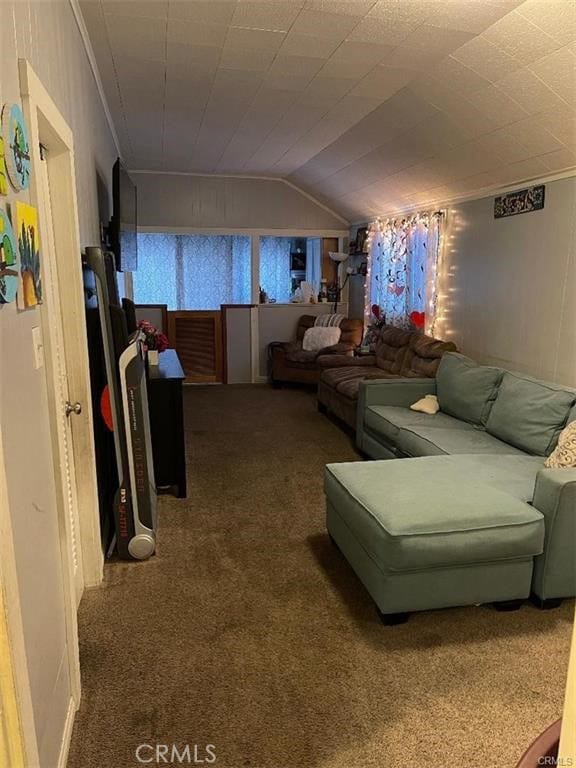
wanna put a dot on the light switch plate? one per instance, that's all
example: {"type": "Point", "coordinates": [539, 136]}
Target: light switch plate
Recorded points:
{"type": "Point", "coordinates": [38, 347]}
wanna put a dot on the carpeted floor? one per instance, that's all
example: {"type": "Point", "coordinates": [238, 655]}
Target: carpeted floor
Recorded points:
{"type": "Point", "coordinates": [250, 632]}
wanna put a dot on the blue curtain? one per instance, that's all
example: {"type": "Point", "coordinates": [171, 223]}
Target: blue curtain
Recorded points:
{"type": "Point", "coordinates": [193, 271]}
{"type": "Point", "coordinates": [154, 281]}
{"type": "Point", "coordinates": [275, 267]}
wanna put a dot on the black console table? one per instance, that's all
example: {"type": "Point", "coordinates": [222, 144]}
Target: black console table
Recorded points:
{"type": "Point", "coordinates": [167, 423]}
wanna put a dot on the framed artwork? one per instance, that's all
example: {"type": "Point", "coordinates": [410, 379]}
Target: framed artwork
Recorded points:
{"type": "Point", "coordinates": [16, 146]}
{"type": "Point", "coordinates": [9, 271]}
{"type": "Point", "coordinates": [3, 177]}
{"type": "Point", "coordinates": [522, 201]}
{"type": "Point", "coordinates": [30, 292]}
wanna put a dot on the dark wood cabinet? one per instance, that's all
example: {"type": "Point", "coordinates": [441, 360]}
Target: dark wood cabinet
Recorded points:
{"type": "Point", "coordinates": [167, 423]}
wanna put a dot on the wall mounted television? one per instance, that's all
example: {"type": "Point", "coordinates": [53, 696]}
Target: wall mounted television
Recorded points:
{"type": "Point", "coordinates": [122, 232]}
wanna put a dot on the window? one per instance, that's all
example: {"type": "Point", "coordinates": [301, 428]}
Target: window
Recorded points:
{"type": "Point", "coordinates": [285, 262]}
{"type": "Point", "coordinates": [193, 271]}
{"type": "Point", "coordinates": [403, 257]}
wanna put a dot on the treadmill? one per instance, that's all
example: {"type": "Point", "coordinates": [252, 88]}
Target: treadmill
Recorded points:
{"type": "Point", "coordinates": [135, 499]}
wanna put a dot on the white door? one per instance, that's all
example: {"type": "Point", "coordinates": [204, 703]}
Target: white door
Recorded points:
{"type": "Point", "coordinates": [64, 404]}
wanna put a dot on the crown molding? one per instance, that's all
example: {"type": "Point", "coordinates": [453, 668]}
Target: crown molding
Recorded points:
{"type": "Point", "coordinates": [80, 23]}
{"type": "Point", "coordinates": [479, 194]}
{"type": "Point", "coordinates": [199, 174]}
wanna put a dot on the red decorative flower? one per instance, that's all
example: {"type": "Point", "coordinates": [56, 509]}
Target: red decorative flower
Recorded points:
{"type": "Point", "coordinates": [153, 339]}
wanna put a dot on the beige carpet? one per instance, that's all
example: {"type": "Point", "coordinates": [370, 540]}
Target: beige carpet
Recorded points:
{"type": "Point", "coordinates": [250, 632]}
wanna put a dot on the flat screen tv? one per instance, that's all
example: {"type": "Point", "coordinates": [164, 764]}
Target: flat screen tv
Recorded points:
{"type": "Point", "coordinates": [123, 225]}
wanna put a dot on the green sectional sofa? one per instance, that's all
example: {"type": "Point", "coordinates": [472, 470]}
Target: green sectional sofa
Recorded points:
{"type": "Point", "coordinates": [465, 512]}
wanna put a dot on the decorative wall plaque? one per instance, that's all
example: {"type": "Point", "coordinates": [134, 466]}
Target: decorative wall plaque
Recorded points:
{"type": "Point", "coordinates": [522, 201]}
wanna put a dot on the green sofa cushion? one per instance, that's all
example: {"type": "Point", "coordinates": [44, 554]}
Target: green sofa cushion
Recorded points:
{"type": "Point", "coordinates": [465, 389]}
{"type": "Point", "coordinates": [530, 414]}
{"type": "Point", "coordinates": [385, 421]}
{"type": "Point", "coordinates": [412, 514]}
{"type": "Point", "coordinates": [433, 441]}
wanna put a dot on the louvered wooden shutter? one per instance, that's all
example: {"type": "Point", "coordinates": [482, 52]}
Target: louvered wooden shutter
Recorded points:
{"type": "Point", "coordinates": [197, 338]}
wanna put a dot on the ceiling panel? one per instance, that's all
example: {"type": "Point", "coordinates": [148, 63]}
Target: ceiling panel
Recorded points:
{"type": "Point", "coordinates": [520, 38]}
{"type": "Point", "coordinates": [195, 33]}
{"type": "Point", "coordinates": [279, 15]}
{"type": "Point", "coordinates": [303, 66]}
{"type": "Point", "coordinates": [200, 11]}
{"type": "Point", "coordinates": [242, 37]}
{"type": "Point", "coordinates": [323, 26]}
{"type": "Point", "coordinates": [371, 105]}
{"type": "Point", "coordinates": [559, 21]}
{"type": "Point", "coordinates": [486, 59]}
{"type": "Point", "coordinates": [298, 44]}
{"type": "Point", "coordinates": [532, 93]}
{"type": "Point", "coordinates": [246, 59]}
{"type": "Point", "coordinates": [137, 36]}
{"type": "Point", "coordinates": [155, 9]}
{"type": "Point", "coordinates": [558, 71]}
{"type": "Point", "coordinates": [358, 8]}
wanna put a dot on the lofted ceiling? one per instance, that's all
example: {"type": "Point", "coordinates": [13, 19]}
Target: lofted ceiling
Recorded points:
{"type": "Point", "coordinates": [371, 106]}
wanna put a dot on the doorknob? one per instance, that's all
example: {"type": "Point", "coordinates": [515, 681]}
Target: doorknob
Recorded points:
{"type": "Point", "coordinates": [73, 408]}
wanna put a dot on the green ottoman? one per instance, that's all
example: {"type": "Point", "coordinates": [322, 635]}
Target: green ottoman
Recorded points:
{"type": "Point", "coordinates": [420, 534]}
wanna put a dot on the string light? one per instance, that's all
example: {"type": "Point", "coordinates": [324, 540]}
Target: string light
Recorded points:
{"type": "Point", "coordinates": [377, 229]}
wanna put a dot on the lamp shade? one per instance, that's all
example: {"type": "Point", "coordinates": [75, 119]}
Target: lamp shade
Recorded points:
{"type": "Point", "coordinates": [338, 256]}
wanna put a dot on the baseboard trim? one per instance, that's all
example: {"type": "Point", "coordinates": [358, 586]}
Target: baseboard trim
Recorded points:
{"type": "Point", "coordinates": [67, 734]}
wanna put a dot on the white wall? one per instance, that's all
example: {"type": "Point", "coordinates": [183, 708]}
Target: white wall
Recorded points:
{"type": "Point", "coordinates": [46, 34]}
{"type": "Point", "coordinates": [173, 200]}
{"type": "Point", "coordinates": [508, 286]}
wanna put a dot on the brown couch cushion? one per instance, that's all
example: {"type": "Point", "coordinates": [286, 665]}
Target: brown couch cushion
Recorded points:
{"type": "Point", "coordinates": [335, 376]}
{"type": "Point", "coordinates": [424, 356]}
{"type": "Point", "coordinates": [391, 348]}
{"type": "Point", "coordinates": [295, 353]}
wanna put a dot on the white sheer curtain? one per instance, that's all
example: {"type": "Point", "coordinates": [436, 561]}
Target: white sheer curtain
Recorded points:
{"type": "Point", "coordinates": [403, 259]}
{"type": "Point", "coordinates": [193, 271]}
{"type": "Point", "coordinates": [275, 267]}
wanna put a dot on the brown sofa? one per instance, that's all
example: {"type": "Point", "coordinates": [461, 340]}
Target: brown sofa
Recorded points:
{"type": "Point", "coordinates": [398, 354]}
{"type": "Point", "coordinates": [288, 362]}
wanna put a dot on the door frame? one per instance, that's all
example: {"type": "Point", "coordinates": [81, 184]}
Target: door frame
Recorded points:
{"type": "Point", "coordinates": [47, 126]}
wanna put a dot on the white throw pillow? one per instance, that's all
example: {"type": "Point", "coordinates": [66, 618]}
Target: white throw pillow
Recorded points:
{"type": "Point", "coordinates": [428, 404]}
{"type": "Point", "coordinates": [564, 455]}
{"type": "Point", "coordinates": [317, 338]}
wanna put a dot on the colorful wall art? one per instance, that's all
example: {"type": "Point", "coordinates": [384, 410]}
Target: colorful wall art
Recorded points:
{"type": "Point", "coordinates": [3, 177]}
{"type": "Point", "coordinates": [522, 201]}
{"type": "Point", "coordinates": [30, 291]}
{"type": "Point", "coordinates": [16, 146]}
{"type": "Point", "coordinates": [8, 260]}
